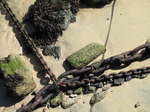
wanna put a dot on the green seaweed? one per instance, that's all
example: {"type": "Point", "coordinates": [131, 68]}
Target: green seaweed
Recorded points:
{"type": "Point", "coordinates": [86, 55]}
{"type": "Point", "coordinates": [12, 66]}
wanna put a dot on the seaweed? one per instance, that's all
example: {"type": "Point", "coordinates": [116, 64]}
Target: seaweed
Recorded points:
{"type": "Point", "coordinates": [11, 66]}
{"type": "Point", "coordinates": [85, 55]}
{"type": "Point", "coordinates": [50, 18]}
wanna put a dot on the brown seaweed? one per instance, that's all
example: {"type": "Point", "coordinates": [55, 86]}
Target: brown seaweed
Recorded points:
{"type": "Point", "coordinates": [51, 17]}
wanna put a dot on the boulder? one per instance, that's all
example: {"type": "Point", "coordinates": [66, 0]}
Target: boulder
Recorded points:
{"type": "Point", "coordinates": [18, 80]}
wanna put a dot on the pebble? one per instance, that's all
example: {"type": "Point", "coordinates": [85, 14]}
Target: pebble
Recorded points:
{"type": "Point", "coordinates": [105, 88]}
{"type": "Point", "coordinates": [69, 92]}
{"type": "Point", "coordinates": [89, 89]}
{"type": "Point", "coordinates": [73, 95]}
{"type": "Point", "coordinates": [128, 78]}
{"type": "Point", "coordinates": [143, 76]}
{"type": "Point", "coordinates": [98, 85]}
{"type": "Point", "coordinates": [135, 76]}
{"type": "Point", "coordinates": [78, 91]}
{"type": "Point", "coordinates": [118, 82]}
{"type": "Point", "coordinates": [92, 89]}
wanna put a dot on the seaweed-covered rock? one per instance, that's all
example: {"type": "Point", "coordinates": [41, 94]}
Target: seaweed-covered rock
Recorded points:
{"type": "Point", "coordinates": [51, 17]}
{"type": "Point", "coordinates": [56, 100]}
{"type": "Point", "coordinates": [85, 55]}
{"type": "Point", "coordinates": [97, 2]}
{"type": "Point", "coordinates": [18, 79]}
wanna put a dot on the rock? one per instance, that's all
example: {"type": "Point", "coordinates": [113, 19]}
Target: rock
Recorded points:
{"type": "Point", "coordinates": [105, 88]}
{"type": "Point", "coordinates": [98, 85]}
{"type": "Point", "coordinates": [118, 82]}
{"type": "Point", "coordinates": [73, 95]}
{"type": "Point", "coordinates": [18, 80]}
{"type": "Point", "coordinates": [97, 97]}
{"type": "Point", "coordinates": [128, 78]}
{"type": "Point", "coordinates": [56, 101]}
{"type": "Point", "coordinates": [135, 76]}
{"type": "Point", "coordinates": [68, 102]}
{"type": "Point", "coordinates": [143, 76]}
{"type": "Point", "coordinates": [96, 2]}
{"type": "Point", "coordinates": [85, 55]}
{"type": "Point", "coordinates": [52, 50]}
{"type": "Point", "coordinates": [69, 92]}
{"type": "Point", "coordinates": [78, 91]}
{"type": "Point", "coordinates": [90, 89]}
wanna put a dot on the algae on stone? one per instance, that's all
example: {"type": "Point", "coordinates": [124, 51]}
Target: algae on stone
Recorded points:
{"type": "Point", "coordinates": [85, 55]}
{"type": "Point", "coordinates": [56, 101]}
{"type": "Point", "coordinates": [18, 79]}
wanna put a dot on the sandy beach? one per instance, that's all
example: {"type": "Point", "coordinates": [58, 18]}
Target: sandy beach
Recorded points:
{"type": "Point", "coordinates": [130, 28]}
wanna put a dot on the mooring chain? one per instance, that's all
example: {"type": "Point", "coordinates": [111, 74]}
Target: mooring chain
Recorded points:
{"type": "Point", "coordinates": [82, 80]}
{"type": "Point", "coordinates": [40, 98]}
{"type": "Point", "coordinates": [133, 73]}
{"type": "Point", "coordinates": [28, 39]}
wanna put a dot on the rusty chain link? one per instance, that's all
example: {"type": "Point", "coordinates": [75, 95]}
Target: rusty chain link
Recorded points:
{"type": "Point", "coordinates": [134, 73]}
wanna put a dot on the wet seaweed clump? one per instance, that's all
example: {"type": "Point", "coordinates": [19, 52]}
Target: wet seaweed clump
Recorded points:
{"type": "Point", "coordinates": [51, 17]}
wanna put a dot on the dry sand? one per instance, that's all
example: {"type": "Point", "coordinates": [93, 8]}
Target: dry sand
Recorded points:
{"type": "Point", "coordinates": [130, 28]}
